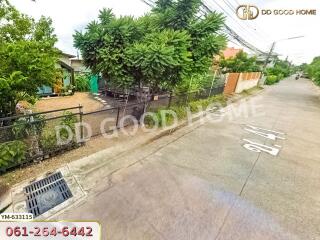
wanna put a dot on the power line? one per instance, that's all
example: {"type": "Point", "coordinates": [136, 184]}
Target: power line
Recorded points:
{"type": "Point", "coordinates": [247, 26]}
{"type": "Point", "coordinates": [228, 30]}
{"type": "Point", "coordinates": [148, 3]}
{"type": "Point", "coordinates": [231, 17]}
{"type": "Point", "coordinates": [235, 36]}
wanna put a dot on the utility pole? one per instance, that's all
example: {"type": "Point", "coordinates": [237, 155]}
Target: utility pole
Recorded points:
{"type": "Point", "coordinates": [269, 55]}
{"type": "Point", "coordinates": [273, 46]}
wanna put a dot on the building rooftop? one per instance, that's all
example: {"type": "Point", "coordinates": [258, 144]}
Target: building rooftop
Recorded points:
{"type": "Point", "coordinates": [230, 52]}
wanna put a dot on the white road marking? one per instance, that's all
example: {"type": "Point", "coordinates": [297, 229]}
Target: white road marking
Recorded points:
{"type": "Point", "coordinates": [273, 135]}
{"type": "Point", "coordinates": [258, 148]}
{"type": "Point", "coordinates": [263, 129]}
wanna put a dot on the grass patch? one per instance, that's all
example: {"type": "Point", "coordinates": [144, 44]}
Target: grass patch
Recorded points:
{"type": "Point", "coordinates": [181, 110]}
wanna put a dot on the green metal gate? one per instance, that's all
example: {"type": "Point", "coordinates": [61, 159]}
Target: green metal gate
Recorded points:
{"type": "Point", "coordinates": [94, 83]}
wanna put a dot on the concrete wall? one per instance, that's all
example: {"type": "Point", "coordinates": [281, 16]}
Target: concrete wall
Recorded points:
{"type": "Point", "coordinates": [78, 66]}
{"type": "Point", "coordinates": [231, 83]}
{"type": "Point", "coordinates": [247, 80]}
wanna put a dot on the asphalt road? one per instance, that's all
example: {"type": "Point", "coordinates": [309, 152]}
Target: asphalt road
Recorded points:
{"type": "Point", "coordinates": [203, 182]}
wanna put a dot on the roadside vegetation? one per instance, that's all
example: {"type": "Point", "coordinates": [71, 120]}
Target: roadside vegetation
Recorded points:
{"type": "Point", "coordinates": [181, 110]}
{"type": "Point", "coordinates": [313, 70]}
{"type": "Point", "coordinates": [281, 70]}
{"type": "Point", "coordinates": [241, 63]}
{"type": "Point", "coordinates": [33, 138]}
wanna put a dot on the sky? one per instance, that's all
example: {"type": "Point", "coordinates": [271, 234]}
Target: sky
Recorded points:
{"type": "Point", "coordinates": [71, 15]}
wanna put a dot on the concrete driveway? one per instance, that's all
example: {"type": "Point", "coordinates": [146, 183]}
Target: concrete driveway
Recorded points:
{"type": "Point", "coordinates": [202, 183]}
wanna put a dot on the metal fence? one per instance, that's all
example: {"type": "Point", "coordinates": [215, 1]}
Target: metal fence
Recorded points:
{"type": "Point", "coordinates": [34, 137]}
{"type": "Point", "coordinates": [106, 120]}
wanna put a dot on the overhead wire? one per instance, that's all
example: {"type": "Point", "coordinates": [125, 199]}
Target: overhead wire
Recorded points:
{"type": "Point", "coordinates": [228, 30]}
{"type": "Point", "coordinates": [244, 24]}
{"type": "Point", "coordinates": [231, 17]}
{"type": "Point", "coordinates": [236, 36]}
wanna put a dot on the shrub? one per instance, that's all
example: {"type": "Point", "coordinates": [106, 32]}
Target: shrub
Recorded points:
{"type": "Point", "coordinates": [313, 70]}
{"type": "Point", "coordinates": [280, 76]}
{"type": "Point", "coordinates": [181, 111]}
{"type": "Point", "coordinates": [271, 79]}
{"type": "Point", "coordinates": [240, 63]}
{"type": "Point", "coordinates": [12, 153]}
{"type": "Point", "coordinates": [149, 120]}
{"type": "Point", "coordinates": [82, 83]}
{"type": "Point", "coordinates": [48, 141]}
{"type": "Point", "coordinates": [281, 69]}
{"type": "Point", "coordinates": [68, 120]}
{"type": "Point", "coordinates": [25, 127]}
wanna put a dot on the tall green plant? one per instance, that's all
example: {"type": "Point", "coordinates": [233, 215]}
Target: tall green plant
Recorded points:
{"type": "Point", "coordinates": [27, 57]}
{"type": "Point", "coordinates": [241, 63]}
{"type": "Point", "coordinates": [159, 50]}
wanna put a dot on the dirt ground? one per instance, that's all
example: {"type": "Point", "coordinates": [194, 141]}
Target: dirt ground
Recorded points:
{"type": "Point", "coordinates": [85, 99]}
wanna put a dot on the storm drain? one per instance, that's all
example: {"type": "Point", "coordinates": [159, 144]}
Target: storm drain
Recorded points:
{"type": "Point", "coordinates": [46, 193]}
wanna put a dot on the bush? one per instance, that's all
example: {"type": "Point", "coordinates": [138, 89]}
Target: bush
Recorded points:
{"type": "Point", "coordinates": [271, 79]}
{"type": "Point", "coordinates": [48, 141]}
{"type": "Point", "coordinates": [241, 63]}
{"type": "Point", "coordinates": [12, 153]}
{"type": "Point", "coordinates": [281, 70]}
{"type": "Point", "coordinates": [181, 111]}
{"type": "Point", "coordinates": [68, 120]}
{"type": "Point", "coordinates": [25, 127]}
{"type": "Point", "coordinates": [82, 83]}
{"type": "Point", "coordinates": [280, 77]}
{"type": "Point", "coordinates": [313, 70]}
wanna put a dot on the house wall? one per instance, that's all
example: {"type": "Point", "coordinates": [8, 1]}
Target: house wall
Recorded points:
{"type": "Point", "coordinates": [78, 66]}
{"type": "Point", "coordinates": [247, 80]}
{"type": "Point", "coordinates": [238, 82]}
{"type": "Point", "coordinates": [65, 59]}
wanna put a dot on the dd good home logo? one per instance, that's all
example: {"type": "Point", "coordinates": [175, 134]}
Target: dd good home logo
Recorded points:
{"type": "Point", "coordinates": [247, 12]}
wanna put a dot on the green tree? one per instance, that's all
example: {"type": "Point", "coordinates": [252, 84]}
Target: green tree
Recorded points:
{"type": "Point", "coordinates": [162, 60]}
{"type": "Point", "coordinates": [27, 57]}
{"type": "Point", "coordinates": [159, 50]}
{"type": "Point", "coordinates": [303, 67]}
{"type": "Point", "coordinates": [313, 70]}
{"type": "Point", "coordinates": [104, 44]}
{"type": "Point", "coordinates": [206, 41]}
{"type": "Point", "coordinates": [240, 63]}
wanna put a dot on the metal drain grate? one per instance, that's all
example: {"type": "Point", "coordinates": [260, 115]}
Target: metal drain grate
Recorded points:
{"type": "Point", "coordinates": [46, 193]}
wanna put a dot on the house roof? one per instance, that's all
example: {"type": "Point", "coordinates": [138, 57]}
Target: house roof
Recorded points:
{"type": "Point", "coordinates": [67, 55]}
{"type": "Point", "coordinates": [76, 60]}
{"type": "Point", "coordinates": [63, 64]}
{"type": "Point", "coordinates": [230, 52]}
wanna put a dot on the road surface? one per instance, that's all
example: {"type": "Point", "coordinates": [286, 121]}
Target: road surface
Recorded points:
{"type": "Point", "coordinates": [202, 183]}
